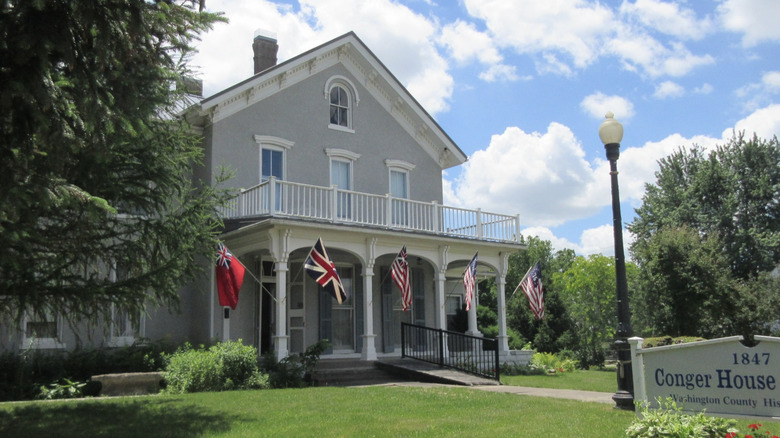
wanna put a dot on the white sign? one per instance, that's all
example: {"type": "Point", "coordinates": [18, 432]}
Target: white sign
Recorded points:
{"type": "Point", "coordinates": [721, 376]}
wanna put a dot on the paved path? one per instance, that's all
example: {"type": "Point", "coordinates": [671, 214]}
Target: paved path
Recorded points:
{"type": "Point", "coordinates": [587, 396]}
{"type": "Point", "coordinates": [433, 373]}
{"type": "Point", "coordinates": [569, 394]}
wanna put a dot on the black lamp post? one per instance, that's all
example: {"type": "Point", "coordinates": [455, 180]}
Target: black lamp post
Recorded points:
{"type": "Point", "coordinates": [611, 133]}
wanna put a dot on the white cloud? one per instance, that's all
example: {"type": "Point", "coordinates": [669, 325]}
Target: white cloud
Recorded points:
{"type": "Point", "coordinates": [771, 81]}
{"type": "Point", "coordinates": [545, 233]}
{"type": "Point", "coordinates": [755, 19]}
{"type": "Point", "coordinates": [703, 89]}
{"type": "Point", "coordinates": [465, 43]}
{"type": "Point", "coordinates": [598, 104]}
{"type": "Point", "coordinates": [760, 93]}
{"type": "Point", "coordinates": [545, 179]}
{"type": "Point", "coordinates": [764, 122]}
{"type": "Point", "coordinates": [571, 27]}
{"type": "Point", "coordinates": [498, 72]}
{"type": "Point", "coordinates": [542, 176]}
{"type": "Point", "coordinates": [669, 18]}
{"type": "Point", "coordinates": [569, 35]}
{"type": "Point", "coordinates": [640, 51]}
{"type": "Point", "coordinates": [411, 55]}
{"type": "Point", "coordinates": [598, 240]}
{"type": "Point", "coordinates": [668, 89]}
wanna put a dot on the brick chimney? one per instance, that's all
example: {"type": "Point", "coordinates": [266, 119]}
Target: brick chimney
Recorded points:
{"type": "Point", "coordinates": [265, 48]}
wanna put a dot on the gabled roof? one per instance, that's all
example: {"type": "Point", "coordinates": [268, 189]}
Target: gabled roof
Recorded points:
{"type": "Point", "coordinates": [353, 54]}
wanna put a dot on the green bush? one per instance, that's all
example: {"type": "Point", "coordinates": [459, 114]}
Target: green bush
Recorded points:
{"type": "Point", "coordinates": [23, 373]}
{"type": "Point", "coordinates": [66, 389]}
{"type": "Point", "coordinates": [225, 366]}
{"type": "Point", "coordinates": [660, 341]}
{"type": "Point", "coordinates": [553, 363]}
{"type": "Point", "coordinates": [508, 369]}
{"type": "Point", "coordinates": [543, 363]}
{"type": "Point", "coordinates": [668, 421]}
{"type": "Point", "coordinates": [294, 371]}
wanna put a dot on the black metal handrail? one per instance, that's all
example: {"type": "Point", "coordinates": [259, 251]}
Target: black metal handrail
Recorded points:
{"type": "Point", "coordinates": [471, 354]}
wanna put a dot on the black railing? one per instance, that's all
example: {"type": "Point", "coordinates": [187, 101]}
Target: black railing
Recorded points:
{"type": "Point", "coordinates": [470, 354]}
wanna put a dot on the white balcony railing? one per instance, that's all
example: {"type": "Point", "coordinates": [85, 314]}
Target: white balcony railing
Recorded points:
{"type": "Point", "coordinates": [288, 199]}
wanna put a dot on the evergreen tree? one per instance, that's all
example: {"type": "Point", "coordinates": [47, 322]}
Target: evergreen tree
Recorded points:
{"type": "Point", "coordinates": [99, 205]}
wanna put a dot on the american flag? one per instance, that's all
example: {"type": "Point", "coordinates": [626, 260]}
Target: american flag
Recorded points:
{"type": "Point", "coordinates": [470, 281]}
{"type": "Point", "coordinates": [230, 277]}
{"type": "Point", "coordinates": [321, 268]}
{"type": "Point", "coordinates": [400, 272]}
{"type": "Point", "coordinates": [532, 286]}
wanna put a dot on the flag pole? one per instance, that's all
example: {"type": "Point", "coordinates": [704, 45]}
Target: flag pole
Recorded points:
{"type": "Point", "coordinates": [259, 282]}
{"type": "Point", "coordinates": [521, 281]}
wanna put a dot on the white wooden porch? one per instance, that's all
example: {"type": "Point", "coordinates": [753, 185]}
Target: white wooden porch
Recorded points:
{"type": "Point", "coordinates": [288, 199]}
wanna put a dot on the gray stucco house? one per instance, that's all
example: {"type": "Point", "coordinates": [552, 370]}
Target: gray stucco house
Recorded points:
{"type": "Point", "coordinates": [329, 145]}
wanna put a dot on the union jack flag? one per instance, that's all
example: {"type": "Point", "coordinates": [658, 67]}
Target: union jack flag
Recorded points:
{"type": "Point", "coordinates": [321, 268]}
{"type": "Point", "coordinates": [470, 281]}
{"type": "Point", "coordinates": [400, 272]}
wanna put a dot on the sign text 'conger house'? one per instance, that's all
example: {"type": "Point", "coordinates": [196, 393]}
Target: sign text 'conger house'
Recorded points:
{"type": "Point", "coordinates": [720, 376]}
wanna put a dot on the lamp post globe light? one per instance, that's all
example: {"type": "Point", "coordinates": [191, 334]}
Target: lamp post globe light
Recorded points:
{"type": "Point", "coordinates": [611, 133]}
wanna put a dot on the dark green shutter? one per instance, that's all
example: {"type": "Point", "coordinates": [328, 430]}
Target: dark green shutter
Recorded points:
{"type": "Point", "coordinates": [358, 300]}
{"type": "Point", "coordinates": [326, 317]}
{"type": "Point", "coordinates": [418, 295]}
{"type": "Point", "coordinates": [388, 341]}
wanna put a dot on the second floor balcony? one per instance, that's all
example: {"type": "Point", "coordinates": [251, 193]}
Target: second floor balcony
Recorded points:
{"type": "Point", "coordinates": [276, 198]}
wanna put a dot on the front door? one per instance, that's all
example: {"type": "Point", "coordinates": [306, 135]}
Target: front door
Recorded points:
{"type": "Point", "coordinates": [343, 315]}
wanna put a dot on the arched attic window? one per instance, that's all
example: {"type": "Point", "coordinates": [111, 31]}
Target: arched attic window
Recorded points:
{"type": "Point", "coordinates": [342, 100]}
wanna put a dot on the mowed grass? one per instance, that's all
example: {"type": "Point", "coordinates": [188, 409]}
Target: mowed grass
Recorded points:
{"type": "Point", "coordinates": [591, 380]}
{"type": "Point", "coordinates": [382, 411]}
{"type": "Point", "coordinates": [379, 411]}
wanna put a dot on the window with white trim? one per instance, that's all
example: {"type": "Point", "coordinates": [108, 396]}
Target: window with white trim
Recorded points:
{"type": "Point", "coordinates": [339, 107]}
{"type": "Point", "coordinates": [399, 190]}
{"type": "Point", "coordinates": [273, 162]}
{"type": "Point", "coordinates": [342, 100]}
{"type": "Point", "coordinates": [42, 331]}
{"type": "Point", "coordinates": [273, 156]}
{"type": "Point", "coordinates": [124, 327]}
{"type": "Point", "coordinates": [341, 177]}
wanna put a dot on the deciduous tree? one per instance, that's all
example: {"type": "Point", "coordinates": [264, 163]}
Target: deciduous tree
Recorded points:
{"type": "Point", "coordinates": [708, 231]}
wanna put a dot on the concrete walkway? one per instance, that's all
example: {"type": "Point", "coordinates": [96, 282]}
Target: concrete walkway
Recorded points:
{"type": "Point", "coordinates": [586, 396]}
{"type": "Point", "coordinates": [429, 374]}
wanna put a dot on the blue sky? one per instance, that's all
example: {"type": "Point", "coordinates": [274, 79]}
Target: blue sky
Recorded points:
{"type": "Point", "coordinates": [522, 86]}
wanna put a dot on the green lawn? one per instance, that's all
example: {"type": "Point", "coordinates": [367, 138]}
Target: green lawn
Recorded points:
{"type": "Point", "coordinates": [317, 412]}
{"type": "Point", "coordinates": [601, 381]}
{"type": "Point", "coordinates": [381, 411]}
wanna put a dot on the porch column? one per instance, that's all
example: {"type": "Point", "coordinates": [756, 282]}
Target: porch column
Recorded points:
{"type": "Point", "coordinates": [503, 339]}
{"type": "Point", "coordinates": [441, 287]}
{"type": "Point", "coordinates": [369, 338]}
{"type": "Point", "coordinates": [473, 331]}
{"type": "Point", "coordinates": [225, 324]}
{"type": "Point", "coordinates": [440, 302]}
{"type": "Point", "coordinates": [281, 339]}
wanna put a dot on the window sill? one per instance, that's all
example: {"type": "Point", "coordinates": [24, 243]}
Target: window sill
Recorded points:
{"type": "Point", "coordinates": [341, 128]}
{"type": "Point", "coordinates": [121, 341]}
{"type": "Point", "coordinates": [42, 344]}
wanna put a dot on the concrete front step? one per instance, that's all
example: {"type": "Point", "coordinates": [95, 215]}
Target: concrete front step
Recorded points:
{"type": "Point", "coordinates": [350, 372]}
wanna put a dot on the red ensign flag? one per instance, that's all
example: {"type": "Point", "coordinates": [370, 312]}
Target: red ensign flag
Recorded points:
{"type": "Point", "coordinates": [230, 277]}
